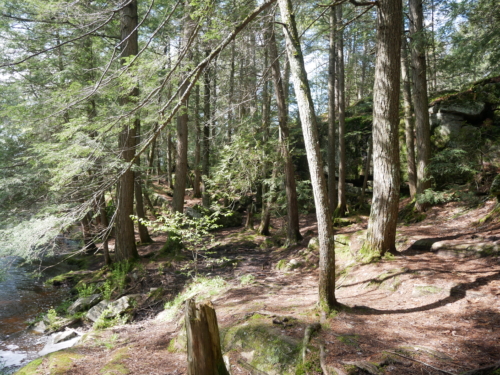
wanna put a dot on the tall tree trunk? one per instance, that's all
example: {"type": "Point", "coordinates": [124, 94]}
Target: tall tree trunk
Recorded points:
{"type": "Point", "coordinates": [327, 299]}
{"type": "Point", "coordinates": [293, 230]}
{"type": "Point", "coordinates": [366, 171]}
{"type": "Point", "coordinates": [332, 166]}
{"type": "Point", "coordinates": [265, 219]}
{"type": "Point", "coordinates": [340, 96]}
{"type": "Point", "coordinates": [207, 114]}
{"type": "Point", "coordinates": [181, 166]}
{"type": "Point", "coordinates": [170, 160]}
{"type": "Point", "coordinates": [421, 102]}
{"type": "Point", "coordinates": [105, 229]}
{"type": "Point", "coordinates": [409, 131]}
{"type": "Point", "coordinates": [125, 247]}
{"type": "Point", "coordinates": [381, 236]}
{"type": "Point", "coordinates": [230, 115]}
{"type": "Point", "coordinates": [197, 150]}
{"type": "Point", "coordinates": [139, 203]}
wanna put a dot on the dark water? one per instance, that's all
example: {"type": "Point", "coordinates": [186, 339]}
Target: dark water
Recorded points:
{"type": "Point", "coordinates": [22, 298]}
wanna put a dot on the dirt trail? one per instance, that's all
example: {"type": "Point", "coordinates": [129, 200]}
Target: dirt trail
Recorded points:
{"type": "Point", "coordinates": [436, 313]}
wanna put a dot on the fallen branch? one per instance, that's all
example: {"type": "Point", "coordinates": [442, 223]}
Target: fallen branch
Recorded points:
{"type": "Point", "coordinates": [426, 364]}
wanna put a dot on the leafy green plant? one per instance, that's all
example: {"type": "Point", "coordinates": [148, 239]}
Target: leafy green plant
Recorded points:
{"type": "Point", "coordinates": [450, 166]}
{"type": "Point", "coordinates": [192, 232]}
{"type": "Point", "coordinates": [433, 197]}
{"type": "Point", "coordinates": [247, 279]}
{"type": "Point", "coordinates": [86, 290]}
{"type": "Point", "coordinates": [104, 321]}
{"type": "Point", "coordinates": [52, 319]}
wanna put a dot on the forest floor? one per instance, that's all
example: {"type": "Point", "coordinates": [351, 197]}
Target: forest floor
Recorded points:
{"type": "Point", "coordinates": [421, 312]}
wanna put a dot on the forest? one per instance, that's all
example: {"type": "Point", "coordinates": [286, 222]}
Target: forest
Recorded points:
{"type": "Point", "coordinates": [326, 173]}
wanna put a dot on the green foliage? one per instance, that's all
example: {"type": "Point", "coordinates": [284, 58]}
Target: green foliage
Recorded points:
{"type": "Point", "coordinates": [451, 166]}
{"type": "Point", "coordinates": [247, 279]}
{"type": "Point", "coordinates": [436, 197]}
{"type": "Point", "coordinates": [193, 233]}
{"type": "Point", "coordinates": [86, 290]}
{"type": "Point", "coordinates": [104, 321]}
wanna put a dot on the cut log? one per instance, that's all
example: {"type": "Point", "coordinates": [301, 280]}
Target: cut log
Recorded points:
{"type": "Point", "coordinates": [204, 352]}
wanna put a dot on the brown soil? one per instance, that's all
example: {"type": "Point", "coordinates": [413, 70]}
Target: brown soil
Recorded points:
{"type": "Point", "coordinates": [439, 314]}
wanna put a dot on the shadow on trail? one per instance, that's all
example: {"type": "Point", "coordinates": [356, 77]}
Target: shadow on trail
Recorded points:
{"type": "Point", "coordinates": [457, 293]}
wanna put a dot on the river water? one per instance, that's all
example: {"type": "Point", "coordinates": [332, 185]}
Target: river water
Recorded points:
{"type": "Point", "coordinates": [22, 298]}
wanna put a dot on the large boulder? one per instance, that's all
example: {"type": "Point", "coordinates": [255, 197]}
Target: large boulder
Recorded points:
{"type": "Point", "coordinates": [264, 345]}
{"type": "Point", "coordinates": [113, 308]}
{"type": "Point", "coordinates": [84, 303]}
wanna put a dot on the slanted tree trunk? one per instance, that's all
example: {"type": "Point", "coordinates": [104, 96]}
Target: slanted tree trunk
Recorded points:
{"type": "Point", "coordinates": [327, 299]}
{"type": "Point", "coordinates": [409, 131]}
{"type": "Point", "coordinates": [340, 96]}
{"type": "Point", "coordinates": [204, 354]}
{"type": "Point", "coordinates": [125, 247]}
{"type": "Point", "coordinates": [381, 236]}
{"type": "Point", "coordinates": [181, 165]}
{"type": "Point", "coordinates": [293, 230]}
{"type": "Point", "coordinates": [332, 166]}
{"type": "Point", "coordinates": [421, 102]}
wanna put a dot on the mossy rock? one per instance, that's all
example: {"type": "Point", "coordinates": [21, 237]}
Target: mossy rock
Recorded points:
{"type": "Point", "coordinates": [71, 277]}
{"type": "Point", "coordinates": [263, 346]}
{"type": "Point", "coordinates": [57, 363]}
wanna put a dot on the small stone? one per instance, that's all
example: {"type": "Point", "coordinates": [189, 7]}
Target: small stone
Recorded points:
{"type": "Point", "coordinates": [40, 327]}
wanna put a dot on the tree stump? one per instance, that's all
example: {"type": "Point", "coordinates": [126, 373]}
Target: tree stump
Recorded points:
{"type": "Point", "coordinates": [204, 352]}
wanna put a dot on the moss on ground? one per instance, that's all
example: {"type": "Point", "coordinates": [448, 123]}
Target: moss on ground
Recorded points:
{"type": "Point", "coordinates": [57, 363]}
{"type": "Point", "coordinates": [115, 365]}
{"type": "Point", "coordinates": [267, 348]}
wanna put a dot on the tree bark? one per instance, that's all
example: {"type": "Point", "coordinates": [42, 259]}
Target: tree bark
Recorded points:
{"type": "Point", "coordinates": [125, 247]}
{"type": "Point", "coordinates": [139, 202]}
{"type": "Point", "coordinates": [293, 230]}
{"type": "Point", "coordinates": [204, 354]}
{"type": "Point", "coordinates": [367, 170]}
{"type": "Point", "coordinates": [181, 166]}
{"type": "Point", "coordinates": [332, 166]}
{"type": "Point", "coordinates": [409, 130]}
{"type": "Point", "coordinates": [340, 96]}
{"type": "Point", "coordinates": [207, 114]}
{"type": "Point", "coordinates": [105, 228]}
{"type": "Point", "coordinates": [381, 236]}
{"type": "Point", "coordinates": [421, 102]}
{"type": "Point", "coordinates": [327, 299]}
{"type": "Point", "coordinates": [197, 150]}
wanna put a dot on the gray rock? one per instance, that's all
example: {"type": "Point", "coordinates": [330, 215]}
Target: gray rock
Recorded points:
{"type": "Point", "coordinates": [56, 338]}
{"type": "Point", "coordinates": [40, 327]}
{"type": "Point", "coordinates": [84, 303]}
{"type": "Point", "coordinates": [113, 308]}
{"type": "Point", "coordinates": [313, 244]}
{"type": "Point", "coordinates": [464, 108]}
{"type": "Point", "coordinates": [50, 348]}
